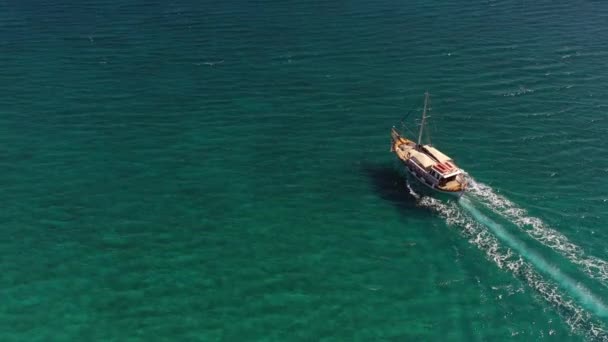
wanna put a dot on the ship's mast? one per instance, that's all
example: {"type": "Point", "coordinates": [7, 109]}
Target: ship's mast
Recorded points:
{"type": "Point", "coordinates": [426, 101]}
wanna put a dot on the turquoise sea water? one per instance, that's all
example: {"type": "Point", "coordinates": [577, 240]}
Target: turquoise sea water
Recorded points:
{"type": "Point", "coordinates": [204, 171]}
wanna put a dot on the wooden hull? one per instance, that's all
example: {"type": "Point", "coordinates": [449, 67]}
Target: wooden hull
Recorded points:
{"type": "Point", "coordinates": [425, 163]}
{"type": "Point", "coordinates": [406, 171]}
{"type": "Point", "coordinates": [428, 165]}
{"type": "Point", "coordinates": [455, 194]}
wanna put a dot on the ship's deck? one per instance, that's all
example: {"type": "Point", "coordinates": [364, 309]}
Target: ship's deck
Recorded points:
{"type": "Point", "coordinates": [452, 185]}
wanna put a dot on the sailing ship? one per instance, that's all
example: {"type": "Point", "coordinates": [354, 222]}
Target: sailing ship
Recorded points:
{"type": "Point", "coordinates": [426, 163]}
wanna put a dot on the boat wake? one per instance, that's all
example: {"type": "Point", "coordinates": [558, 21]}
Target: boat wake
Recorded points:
{"type": "Point", "coordinates": [579, 307]}
{"type": "Point", "coordinates": [594, 267]}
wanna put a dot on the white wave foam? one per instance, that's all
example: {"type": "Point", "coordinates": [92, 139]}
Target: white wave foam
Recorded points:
{"type": "Point", "coordinates": [576, 317]}
{"type": "Point", "coordinates": [538, 230]}
{"type": "Point", "coordinates": [476, 233]}
{"type": "Point", "coordinates": [575, 289]}
{"type": "Point", "coordinates": [520, 91]}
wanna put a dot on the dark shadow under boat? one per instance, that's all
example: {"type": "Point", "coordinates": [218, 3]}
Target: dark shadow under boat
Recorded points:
{"type": "Point", "coordinates": [390, 185]}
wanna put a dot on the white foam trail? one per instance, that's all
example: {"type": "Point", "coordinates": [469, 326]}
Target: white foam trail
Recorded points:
{"type": "Point", "coordinates": [585, 297]}
{"type": "Point", "coordinates": [592, 266]}
{"type": "Point", "coordinates": [577, 318]}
